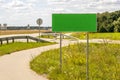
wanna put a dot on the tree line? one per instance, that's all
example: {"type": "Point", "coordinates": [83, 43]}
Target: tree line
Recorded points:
{"type": "Point", "coordinates": [108, 22]}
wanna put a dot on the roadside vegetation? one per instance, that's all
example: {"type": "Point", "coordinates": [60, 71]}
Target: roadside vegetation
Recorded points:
{"type": "Point", "coordinates": [104, 63]}
{"type": "Point", "coordinates": [112, 36]}
{"type": "Point", "coordinates": [17, 46]}
{"type": "Point", "coordinates": [108, 21]}
{"type": "Point", "coordinates": [47, 36]}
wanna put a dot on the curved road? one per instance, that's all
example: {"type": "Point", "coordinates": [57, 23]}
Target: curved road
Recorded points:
{"type": "Point", "coordinates": [15, 66]}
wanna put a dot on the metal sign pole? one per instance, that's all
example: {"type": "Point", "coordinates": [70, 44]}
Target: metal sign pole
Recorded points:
{"type": "Point", "coordinates": [60, 51]}
{"type": "Point", "coordinates": [39, 22]}
{"type": "Point", "coordinates": [87, 56]}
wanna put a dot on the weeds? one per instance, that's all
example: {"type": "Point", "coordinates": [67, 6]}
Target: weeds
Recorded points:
{"type": "Point", "coordinates": [104, 63]}
{"type": "Point", "coordinates": [112, 36]}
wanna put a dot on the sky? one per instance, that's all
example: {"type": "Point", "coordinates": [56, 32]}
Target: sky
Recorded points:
{"type": "Point", "coordinates": [24, 12]}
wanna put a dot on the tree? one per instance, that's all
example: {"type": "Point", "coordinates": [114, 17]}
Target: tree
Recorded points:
{"type": "Point", "coordinates": [102, 29]}
{"type": "Point", "coordinates": [117, 25]}
{"type": "Point", "coordinates": [106, 22]}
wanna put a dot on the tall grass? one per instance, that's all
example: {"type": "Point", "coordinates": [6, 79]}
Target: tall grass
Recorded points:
{"type": "Point", "coordinates": [47, 36]}
{"type": "Point", "coordinates": [112, 36]}
{"type": "Point", "coordinates": [104, 63]}
{"type": "Point", "coordinates": [17, 46]}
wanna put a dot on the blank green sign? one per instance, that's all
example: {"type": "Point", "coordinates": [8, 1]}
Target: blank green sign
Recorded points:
{"type": "Point", "coordinates": [74, 22]}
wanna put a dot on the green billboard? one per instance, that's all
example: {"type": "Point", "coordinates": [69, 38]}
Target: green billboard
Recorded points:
{"type": "Point", "coordinates": [74, 22]}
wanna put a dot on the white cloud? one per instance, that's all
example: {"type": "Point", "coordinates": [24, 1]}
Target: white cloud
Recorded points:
{"type": "Point", "coordinates": [52, 2]}
{"type": "Point", "coordinates": [107, 5]}
{"type": "Point", "coordinates": [1, 1]}
{"type": "Point", "coordinates": [83, 6]}
{"type": "Point", "coordinates": [110, 1]}
{"type": "Point", "coordinates": [23, 12]}
{"type": "Point", "coordinates": [32, 0]}
{"type": "Point", "coordinates": [16, 4]}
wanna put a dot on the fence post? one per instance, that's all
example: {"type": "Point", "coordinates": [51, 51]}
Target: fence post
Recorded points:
{"type": "Point", "coordinates": [13, 39]}
{"type": "Point", "coordinates": [1, 42]}
{"type": "Point", "coordinates": [27, 39]}
{"type": "Point", "coordinates": [7, 40]}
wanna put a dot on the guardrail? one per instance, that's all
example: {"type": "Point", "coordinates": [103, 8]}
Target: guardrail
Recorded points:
{"type": "Point", "coordinates": [57, 34]}
{"type": "Point", "coordinates": [71, 37]}
{"type": "Point", "coordinates": [49, 34]}
{"type": "Point", "coordinates": [20, 37]}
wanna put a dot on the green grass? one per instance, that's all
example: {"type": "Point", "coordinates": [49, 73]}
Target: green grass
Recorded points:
{"type": "Point", "coordinates": [104, 63]}
{"type": "Point", "coordinates": [17, 46]}
{"type": "Point", "coordinates": [47, 36]}
{"type": "Point", "coordinates": [112, 36]}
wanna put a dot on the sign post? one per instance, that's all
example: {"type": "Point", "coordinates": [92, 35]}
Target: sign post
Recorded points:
{"type": "Point", "coordinates": [87, 56]}
{"type": "Point", "coordinates": [60, 51]}
{"type": "Point", "coordinates": [75, 23]}
{"type": "Point", "coordinates": [39, 22]}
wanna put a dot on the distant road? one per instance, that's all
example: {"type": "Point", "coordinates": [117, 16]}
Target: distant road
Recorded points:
{"type": "Point", "coordinates": [68, 35]}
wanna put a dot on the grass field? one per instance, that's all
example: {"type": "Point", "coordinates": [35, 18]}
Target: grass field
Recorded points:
{"type": "Point", "coordinates": [47, 36]}
{"type": "Point", "coordinates": [17, 46]}
{"type": "Point", "coordinates": [112, 36]}
{"type": "Point", "coordinates": [8, 32]}
{"type": "Point", "coordinates": [104, 63]}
